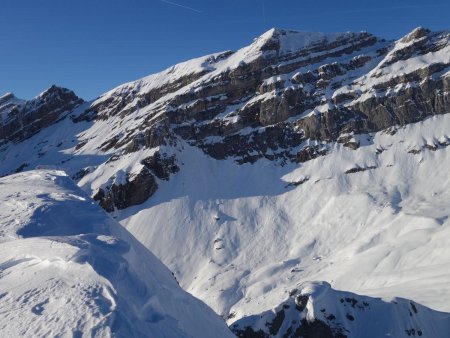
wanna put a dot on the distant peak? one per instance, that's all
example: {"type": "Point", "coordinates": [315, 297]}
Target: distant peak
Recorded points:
{"type": "Point", "coordinates": [57, 95]}
{"type": "Point", "coordinates": [276, 32]}
{"type": "Point", "coordinates": [270, 32]}
{"type": "Point", "coordinates": [7, 96]}
{"type": "Point", "coordinates": [415, 34]}
{"type": "Point", "coordinates": [55, 90]}
{"type": "Point", "coordinates": [288, 40]}
{"type": "Point", "coordinates": [52, 89]}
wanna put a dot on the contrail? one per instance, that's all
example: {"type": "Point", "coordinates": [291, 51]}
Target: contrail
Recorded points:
{"type": "Point", "coordinates": [180, 5]}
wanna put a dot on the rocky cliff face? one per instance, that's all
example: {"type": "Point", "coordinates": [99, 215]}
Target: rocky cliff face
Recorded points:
{"type": "Point", "coordinates": [286, 97]}
{"type": "Point", "coordinates": [285, 90]}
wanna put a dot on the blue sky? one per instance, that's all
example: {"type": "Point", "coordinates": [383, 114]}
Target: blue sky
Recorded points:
{"type": "Point", "coordinates": [90, 46]}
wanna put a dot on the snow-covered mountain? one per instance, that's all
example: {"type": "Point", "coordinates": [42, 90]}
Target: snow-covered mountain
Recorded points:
{"type": "Point", "coordinates": [319, 311]}
{"type": "Point", "coordinates": [68, 270]}
{"type": "Point", "coordinates": [302, 157]}
{"type": "Point", "coordinates": [22, 119]}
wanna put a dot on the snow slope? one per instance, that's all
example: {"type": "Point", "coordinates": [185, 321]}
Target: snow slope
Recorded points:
{"type": "Point", "coordinates": [7, 103]}
{"type": "Point", "coordinates": [212, 65]}
{"type": "Point", "coordinates": [319, 311]}
{"type": "Point", "coordinates": [244, 235]}
{"type": "Point", "coordinates": [69, 270]}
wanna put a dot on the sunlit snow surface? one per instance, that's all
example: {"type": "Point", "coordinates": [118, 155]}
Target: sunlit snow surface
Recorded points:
{"type": "Point", "coordinates": [68, 270]}
{"type": "Point", "coordinates": [243, 236]}
{"type": "Point", "coordinates": [345, 314]}
{"type": "Point", "coordinates": [240, 237]}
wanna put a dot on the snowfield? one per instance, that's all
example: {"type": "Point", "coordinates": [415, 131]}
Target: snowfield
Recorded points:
{"type": "Point", "coordinates": [243, 236]}
{"type": "Point", "coordinates": [68, 270]}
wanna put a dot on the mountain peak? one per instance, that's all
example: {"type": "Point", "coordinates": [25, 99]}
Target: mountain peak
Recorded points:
{"type": "Point", "coordinates": [415, 34]}
{"type": "Point", "coordinates": [288, 41]}
{"type": "Point", "coordinates": [42, 111]}
{"type": "Point", "coordinates": [7, 97]}
{"type": "Point", "coordinates": [54, 89]}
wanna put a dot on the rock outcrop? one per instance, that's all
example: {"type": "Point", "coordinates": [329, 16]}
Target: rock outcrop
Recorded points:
{"type": "Point", "coordinates": [22, 119]}
{"type": "Point", "coordinates": [318, 311]}
{"type": "Point", "coordinates": [135, 190]}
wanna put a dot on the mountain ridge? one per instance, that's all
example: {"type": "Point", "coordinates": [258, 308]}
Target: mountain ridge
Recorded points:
{"type": "Point", "coordinates": [250, 172]}
{"type": "Point", "coordinates": [67, 269]}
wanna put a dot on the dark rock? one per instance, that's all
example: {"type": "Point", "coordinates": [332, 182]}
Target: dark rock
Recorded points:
{"type": "Point", "coordinates": [331, 317]}
{"type": "Point", "coordinates": [414, 151]}
{"type": "Point", "coordinates": [21, 167]}
{"type": "Point", "coordinates": [410, 332]}
{"type": "Point", "coordinates": [316, 329]}
{"type": "Point", "coordinates": [80, 144]}
{"type": "Point", "coordinates": [352, 301]}
{"type": "Point", "coordinates": [301, 301]}
{"type": "Point", "coordinates": [359, 169]}
{"type": "Point", "coordinates": [431, 147]}
{"type": "Point", "coordinates": [297, 183]}
{"type": "Point", "coordinates": [160, 165]}
{"type": "Point", "coordinates": [248, 332]}
{"type": "Point", "coordinates": [39, 113]}
{"type": "Point", "coordinates": [137, 189]}
{"type": "Point", "coordinates": [275, 325]}
{"type": "Point", "coordinates": [81, 173]}
{"type": "Point", "coordinates": [309, 152]}
{"type": "Point", "coordinates": [352, 145]}
{"type": "Point", "coordinates": [231, 315]}
{"type": "Point", "coordinates": [292, 292]}
{"type": "Point", "coordinates": [348, 141]}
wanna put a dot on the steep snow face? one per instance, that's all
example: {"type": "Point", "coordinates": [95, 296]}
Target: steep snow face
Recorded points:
{"type": "Point", "coordinates": [67, 269]}
{"type": "Point", "coordinates": [291, 41]}
{"type": "Point", "coordinates": [285, 42]}
{"type": "Point", "coordinates": [408, 64]}
{"type": "Point", "coordinates": [188, 69]}
{"type": "Point", "coordinates": [373, 221]}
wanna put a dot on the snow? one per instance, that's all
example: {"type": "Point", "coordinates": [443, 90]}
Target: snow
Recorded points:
{"type": "Point", "coordinates": [67, 269]}
{"type": "Point", "coordinates": [239, 237]}
{"type": "Point", "coordinates": [7, 102]}
{"type": "Point", "coordinates": [385, 227]}
{"type": "Point", "coordinates": [352, 315]}
{"type": "Point", "coordinates": [387, 70]}
{"type": "Point", "coordinates": [212, 66]}
{"type": "Point", "coordinates": [171, 74]}
{"type": "Point", "coordinates": [292, 41]}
